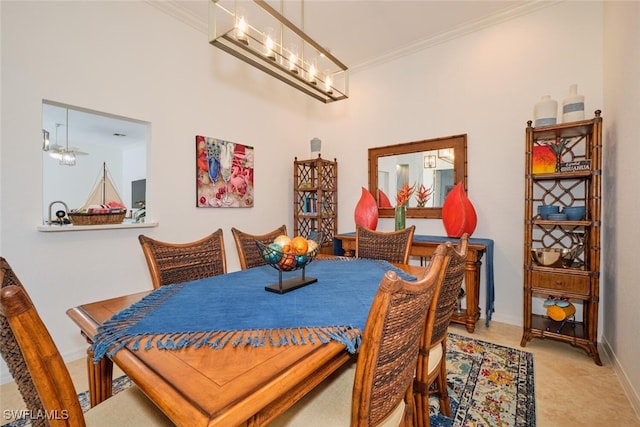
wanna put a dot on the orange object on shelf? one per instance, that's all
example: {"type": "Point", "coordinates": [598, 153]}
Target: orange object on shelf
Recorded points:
{"type": "Point", "coordinates": [543, 160]}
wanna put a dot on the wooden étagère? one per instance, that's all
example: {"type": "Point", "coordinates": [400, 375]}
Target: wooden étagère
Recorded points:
{"type": "Point", "coordinates": [575, 184]}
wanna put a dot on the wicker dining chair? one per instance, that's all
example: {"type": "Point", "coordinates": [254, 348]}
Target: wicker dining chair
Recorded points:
{"type": "Point", "coordinates": [171, 263]}
{"type": "Point", "coordinates": [44, 380]}
{"type": "Point", "coordinates": [379, 386]}
{"type": "Point", "coordinates": [248, 250]}
{"type": "Point", "coordinates": [431, 370]}
{"type": "Point", "coordinates": [392, 246]}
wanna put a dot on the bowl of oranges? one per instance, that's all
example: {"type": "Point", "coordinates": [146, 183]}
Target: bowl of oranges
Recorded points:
{"type": "Point", "coordinates": [288, 254]}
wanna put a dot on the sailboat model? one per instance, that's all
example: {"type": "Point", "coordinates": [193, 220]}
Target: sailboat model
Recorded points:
{"type": "Point", "coordinates": [104, 205]}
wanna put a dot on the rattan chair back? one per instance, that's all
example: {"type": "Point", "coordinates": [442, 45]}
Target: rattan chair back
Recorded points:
{"type": "Point", "coordinates": [390, 341]}
{"type": "Point", "coordinates": [50, 395]}
{"type": "Point", "coordinates": [171, 263]}
{"type": "Point", "coordinates": [39, 371]}
{"type": "Point", "coordinates": [393, 246]}
{"type": "Point", "coordinates": [433, 381]}
{"type": "Point", "coordinates": [248, 252]}
{"type": "Point", "coordinates": [446, 299]}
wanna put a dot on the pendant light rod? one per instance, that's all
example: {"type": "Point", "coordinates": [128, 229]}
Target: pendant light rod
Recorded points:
{"type": "Point", "coordinates": [263, 4]}
{"type": "Point", "coordinates": [68, 157]}
{"type": "Point", "coordinates": [303, 64]}
{"type": "Point", "coordinates": [67, 131]}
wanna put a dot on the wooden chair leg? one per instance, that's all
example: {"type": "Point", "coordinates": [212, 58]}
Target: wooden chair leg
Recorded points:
{"type": "Point", "coordinates": [420, 403]}
{"type": "Point", "coordinates": [443, 390]}
{"type": "Point", "coordinates": [409, 410]}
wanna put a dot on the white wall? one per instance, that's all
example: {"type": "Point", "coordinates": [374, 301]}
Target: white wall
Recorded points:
{"type": "Point", "coordinates": [163, 72]}
{"type": "Point", "coordinates": [131, 60]}
{"type": "Point", "coordinates": [484, 85]}
{"type": "Point", "coordinates": [621, 153]}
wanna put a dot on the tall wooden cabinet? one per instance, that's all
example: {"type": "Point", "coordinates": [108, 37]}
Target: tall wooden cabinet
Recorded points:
{"type": "Point", "coordinates": [563, 168]}
{"type": "Point", "coordinates": [315, 200]}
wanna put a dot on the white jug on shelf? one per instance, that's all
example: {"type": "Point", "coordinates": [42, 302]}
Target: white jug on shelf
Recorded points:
{"type": "Point", "coordinates": [573, 106]}
{"type": "Point", "coordinates": [545, 112]}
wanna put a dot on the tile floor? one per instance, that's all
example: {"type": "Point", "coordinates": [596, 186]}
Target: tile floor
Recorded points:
{"type": "Point", "coordinates": [571, 390]}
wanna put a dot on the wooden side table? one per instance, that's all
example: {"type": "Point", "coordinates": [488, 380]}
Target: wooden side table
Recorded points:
{"type": "Point", "coordinates": [424, 247]}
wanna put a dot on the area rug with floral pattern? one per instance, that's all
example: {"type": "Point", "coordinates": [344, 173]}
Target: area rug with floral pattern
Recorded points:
{"type": "Point", "coordinates": [489, 385]}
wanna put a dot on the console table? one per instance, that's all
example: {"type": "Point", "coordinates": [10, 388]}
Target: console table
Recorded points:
{"type": "Point", "coordinates": [424, 247]}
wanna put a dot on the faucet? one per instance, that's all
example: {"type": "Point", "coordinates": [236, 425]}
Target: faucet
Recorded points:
{"type": "Point", "coordinates": [66, 209]}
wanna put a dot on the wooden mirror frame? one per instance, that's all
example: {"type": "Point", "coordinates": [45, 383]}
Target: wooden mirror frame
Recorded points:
{"type": "Point", "coordinates": [457, 142]}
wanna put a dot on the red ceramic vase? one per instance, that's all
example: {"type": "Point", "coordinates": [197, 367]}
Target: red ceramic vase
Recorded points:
{"type": "Point", "coordinates": [383, 200]}
{"type": "Point", "coordinates": [366, 213]}
{"type": "Point", "coordinates": [458, 214]}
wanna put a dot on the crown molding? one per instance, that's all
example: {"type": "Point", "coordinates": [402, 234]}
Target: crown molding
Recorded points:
{"type": "Point", "coordinates": [457, 32]}
{"type": "Point", "coordinates": [174, 9]}
{"type": "Point", "coordinates": [179, 12]}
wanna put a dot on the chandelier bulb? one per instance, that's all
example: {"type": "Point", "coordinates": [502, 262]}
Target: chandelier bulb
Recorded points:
{"type": "Point", "coordinates": [242, 28]}
{"type": "Point", "coordinates": [269, 44]}
{"type": "Point", "coordinates": [312, 74]}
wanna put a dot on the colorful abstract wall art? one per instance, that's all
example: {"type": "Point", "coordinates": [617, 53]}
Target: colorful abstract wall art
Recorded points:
{"type": "Point", "coordinates": [224, 174]}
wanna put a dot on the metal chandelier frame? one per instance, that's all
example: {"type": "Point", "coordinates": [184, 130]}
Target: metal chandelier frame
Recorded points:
{"type": "Point", "coordinates": [279, 48]}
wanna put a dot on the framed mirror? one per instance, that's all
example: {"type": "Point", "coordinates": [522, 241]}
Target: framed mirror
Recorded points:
{"type": "Point", "coordinates": [437, 164]}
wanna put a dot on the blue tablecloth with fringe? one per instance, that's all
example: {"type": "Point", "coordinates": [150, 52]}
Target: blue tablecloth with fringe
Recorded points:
{"type": "Point", "coordinates": [487, 243]}
{"type": "Point", "coordinates": [210, 312]}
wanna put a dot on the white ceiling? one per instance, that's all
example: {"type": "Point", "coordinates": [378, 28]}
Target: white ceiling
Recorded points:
{"type": "Point", "coordinates": [363, 32]}
{"type": "Point", "coordinates": [359, 33]}
{"type": "Point", "coordinates": [88, 128]}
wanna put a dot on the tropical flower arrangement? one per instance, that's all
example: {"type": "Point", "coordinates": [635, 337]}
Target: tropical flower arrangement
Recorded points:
{"type": "Point", "coordinates": [423, 194]}
{"type": "Point", "coordinates": [405, 193]}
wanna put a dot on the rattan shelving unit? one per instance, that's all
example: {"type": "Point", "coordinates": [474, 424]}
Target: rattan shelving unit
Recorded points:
{"type": "Point", "coordinates": [315, 200]}
{"type": "Point", "coordinates": [579, 281]}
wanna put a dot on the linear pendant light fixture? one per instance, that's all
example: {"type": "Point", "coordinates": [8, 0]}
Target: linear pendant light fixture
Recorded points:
{"type": "Point", "coordinates": [256, 33]}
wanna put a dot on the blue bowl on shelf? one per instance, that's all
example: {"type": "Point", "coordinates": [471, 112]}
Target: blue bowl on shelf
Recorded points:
{"type": "Point", "coordinates": [574, 213]}
{"type": "Point", "coordinates": [545, 210]}
{"type": "Point", "coordinates": [557, 217]}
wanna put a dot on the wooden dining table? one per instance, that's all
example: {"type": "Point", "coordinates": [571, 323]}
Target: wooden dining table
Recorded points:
{"type": "Point", "coordinates": [230, 386]}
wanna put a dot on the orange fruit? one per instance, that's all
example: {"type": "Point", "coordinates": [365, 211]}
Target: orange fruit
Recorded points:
{"type": "Point", "coordinates": [284, 242]}
{"type": "Point", "coordinates": [299, 245]}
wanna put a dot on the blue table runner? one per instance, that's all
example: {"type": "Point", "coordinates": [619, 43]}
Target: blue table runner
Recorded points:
{"type": "Point", "coordinates": [210, 312]}
{"type": "Point", "coordinates": [488, 243]}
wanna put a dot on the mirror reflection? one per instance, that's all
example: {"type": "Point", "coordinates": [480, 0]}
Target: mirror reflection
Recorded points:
{"type": "Point", "coordinates": [433, 170]}
{"type": "Point", "coordinates": [432, 167]}
{"type": "Point", "coordinates": [76, 143]}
